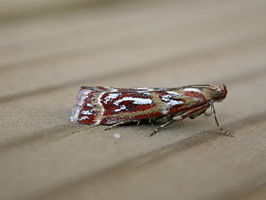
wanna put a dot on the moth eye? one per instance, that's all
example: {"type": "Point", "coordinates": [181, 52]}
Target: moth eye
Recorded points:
{"type": "Point", "coordinates": [217, 95]}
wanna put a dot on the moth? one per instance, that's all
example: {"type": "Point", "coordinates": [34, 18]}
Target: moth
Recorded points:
{"type": "Point", "coordinates": [117, 106]}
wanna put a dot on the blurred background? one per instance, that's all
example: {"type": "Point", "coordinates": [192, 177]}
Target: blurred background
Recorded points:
{"type": "Point", "coordinates": [64, 42]}
{"type": "Point", "coordinates": [49, 48]}
{"type": "Point", "coordinates": [28, 8]}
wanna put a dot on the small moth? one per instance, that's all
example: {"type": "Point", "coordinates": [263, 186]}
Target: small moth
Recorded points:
{"type": "Point", "coordinates": [116, 106]}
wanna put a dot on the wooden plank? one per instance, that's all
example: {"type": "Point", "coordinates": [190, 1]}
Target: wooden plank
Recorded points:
{"type": "Point", "coordinates": [44, 156]}
{"type": "Point", "coordinates": [259, 193]}
{"type": "Point", "coordinates": [53, 167]}
{"type": "Point", "coordinates": [63, 155]}
{"type": "Point", "coordinates": [47, 110]}
{"type": "Point", "coordinates": [30, 8]}
{"type": "Point", "coordinates": [99, 24]}
{"type": "Point", "coordinates": [60, 71]}
{"type": "Point", "coordinates": [225, 166]}
{"type": "Point", "coordinates": [48, 27]}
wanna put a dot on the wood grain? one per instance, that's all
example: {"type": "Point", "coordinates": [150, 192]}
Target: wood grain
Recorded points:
{"type": "Point", "coordinates": [44, 60]}
{"type": "Point", "coordinates": [92, 60]}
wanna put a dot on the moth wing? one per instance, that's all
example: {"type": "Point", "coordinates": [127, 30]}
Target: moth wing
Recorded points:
{"type": "Point", "coordinates": [115, 104]}
{"type": "Point", "coordinates": [125, 102]}
{"type": "Point", "coordinates": [129, 103]}
{"type": "Point", "coordinates": [84, 111]}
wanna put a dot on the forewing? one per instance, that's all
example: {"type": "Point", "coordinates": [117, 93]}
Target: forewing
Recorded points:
{"type": "Point", "coordinates": [108, 105]}
{"type": "Point", "coordinates": [133, 105]}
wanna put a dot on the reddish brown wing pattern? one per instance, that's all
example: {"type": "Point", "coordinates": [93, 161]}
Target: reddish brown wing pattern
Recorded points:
{"type": "Point", "coordinates": [107, 105]}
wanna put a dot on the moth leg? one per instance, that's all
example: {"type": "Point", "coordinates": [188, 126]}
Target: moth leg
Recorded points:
{"type": "Point", "coordinates": [162, 126]}
{"type": "Point", "coordinates": [194, 111]}
{"type": "Point", "coordinates": [120, 123]}
{"type": "Point", "coordinates": [225, 132]}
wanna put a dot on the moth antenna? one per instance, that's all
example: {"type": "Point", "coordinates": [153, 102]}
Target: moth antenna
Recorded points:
{"type": "Point", "coordinates": [225, 132]}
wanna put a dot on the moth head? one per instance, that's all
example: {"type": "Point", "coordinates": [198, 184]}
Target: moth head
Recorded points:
{"type": "Point", "coordinates": [218, 93]}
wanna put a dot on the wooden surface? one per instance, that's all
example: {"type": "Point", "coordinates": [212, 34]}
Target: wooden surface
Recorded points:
{"type": "Point", "coordinates": [45, 58]}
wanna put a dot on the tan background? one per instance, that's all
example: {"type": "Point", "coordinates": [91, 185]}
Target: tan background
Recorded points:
{"type": "Point", "coordinates": [48, 51]}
